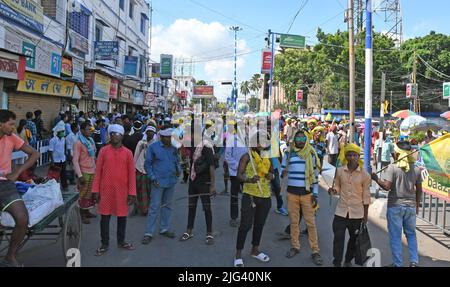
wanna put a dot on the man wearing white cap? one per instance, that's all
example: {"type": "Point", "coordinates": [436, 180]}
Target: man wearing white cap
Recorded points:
{"type": "Point", "coordinates": [114, 187]}
{"type": "Point", "coordinates": [57, 153]}
{"type": "Point", "coordinates": [162, 167]}
{"type": "Point", "coordinates": [142, 182]}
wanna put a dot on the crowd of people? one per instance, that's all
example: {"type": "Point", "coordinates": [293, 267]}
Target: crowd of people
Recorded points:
{"type": "Point", "coordinates": [120, 160]}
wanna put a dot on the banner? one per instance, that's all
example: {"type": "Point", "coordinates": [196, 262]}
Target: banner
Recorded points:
{"type": "Point", "coordinates": [12, 66]}
{"type": "Point", "coordinates": [130, 66]}
{"type": "Point", "coordinates": [138, 98]}
{"type": "Point", "coordinates": [300, 96]}
{"type": "Point", "coordinates": [66, 67]}
{"type": "Point", "coordinates": [114, 89]}
{"type": "Point", "coordinates": [156, 67]}
{"type": "Point", "coordinates": [38, 84]}
{"type": "Point", "coordinates": [102, 85]}
{"type": "Point", "coordinates": [106, 50]}
{"type": "Point", "coordinates": [436, 175]}
{"type": "Point", "coordinates": [266, 61]}
{"type": "Point", "coordinates": [203, 90]}
{"type": "Point", "coordinates": [25, 12]}
{"type": "Point", "coordinates": [78, 70]}
{"type": "Point", "coordinates": [166, 71]}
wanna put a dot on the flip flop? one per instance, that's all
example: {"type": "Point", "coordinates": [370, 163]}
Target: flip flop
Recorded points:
{"type": "Point", "coordinates": [262, 257]}
{"type": "Point", "coordinates": [209, 240]}
{"type": "Point", "coordinates": [100, 251]}
{"type": "Point", "coordinates": [186, 236]}
{"type": "Point", "coordinates": [238, 262]}
{"type": "Point", "coordinates": [292, 252]}
{"type": "Point", "coordinates": [5, 263]}
{"type": "Point", "coordinates": [126, 246]}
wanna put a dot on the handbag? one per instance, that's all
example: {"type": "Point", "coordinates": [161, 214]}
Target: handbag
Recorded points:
{"type": "Point", "coordinates": [362, 245]}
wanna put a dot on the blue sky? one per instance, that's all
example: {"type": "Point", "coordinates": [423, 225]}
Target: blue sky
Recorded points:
{"type": "Point", "coordinates": [198, 29]}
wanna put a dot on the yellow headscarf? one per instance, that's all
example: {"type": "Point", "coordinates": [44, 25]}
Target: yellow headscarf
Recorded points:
{"type": "Point", "coordinates": [349, 148]}
{"type": "Point", "coordinates": [262, 164]}
{"type": "Point", "coordinates": [405, 159]}
{"type": "Point", "coordinates": [307, 154]}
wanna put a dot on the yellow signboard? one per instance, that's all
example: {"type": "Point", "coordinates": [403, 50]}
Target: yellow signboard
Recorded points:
{"type": "Point", "coordinates": [28, 8]}
{"type": "Point", "coordinates": [38, 84]}
{"type": "Point", "coordinates": [102, 85]}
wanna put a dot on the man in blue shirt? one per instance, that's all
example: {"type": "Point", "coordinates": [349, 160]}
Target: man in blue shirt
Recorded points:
{"type": "Point", "coordinates": [162, 167]}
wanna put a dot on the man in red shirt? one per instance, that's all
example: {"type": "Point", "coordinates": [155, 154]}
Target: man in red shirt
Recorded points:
{"type": "Point", "coordinates": [10, 200]}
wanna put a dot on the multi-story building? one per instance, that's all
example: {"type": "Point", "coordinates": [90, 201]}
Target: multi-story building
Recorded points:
{"type": "Point", "coordinates": [58, 55]}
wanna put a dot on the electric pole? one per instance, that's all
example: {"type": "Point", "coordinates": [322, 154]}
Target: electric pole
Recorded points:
{"type": "Point", "coordinates": [351, 43]}
{"type": "Point", "coordinates": [368, 92]}
{"type": "Point", "coordinates": [416, 94]}
{"type": "Point", "coordinates": [390, 104]}
{"type": "Point", "coordinates": [234, 92]}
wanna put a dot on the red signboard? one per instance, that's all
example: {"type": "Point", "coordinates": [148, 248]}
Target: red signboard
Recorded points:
{"type": "Point", "coordinates": [183, 95]}
{"type": "Point", "coordinates": [266, 61]}
{"type": "Point", "coordinates": [12, 69]}
{"type": "Point", "coordinates": [203, 90]}
{"type": "Point", "coordinates": [299, 96]}
{"type": "Point", "coordinates": [113, 89]}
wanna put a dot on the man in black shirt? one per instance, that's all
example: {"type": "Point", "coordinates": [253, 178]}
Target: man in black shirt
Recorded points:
{"type": "Point", "coordinates": [132, 141]}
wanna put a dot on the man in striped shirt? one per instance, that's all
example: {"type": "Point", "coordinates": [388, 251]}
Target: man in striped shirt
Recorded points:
{"type": "Point", "coordinates": [301, 165]}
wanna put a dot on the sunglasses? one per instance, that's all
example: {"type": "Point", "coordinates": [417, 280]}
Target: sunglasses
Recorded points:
{"type": "Point", "coordinates": [115, 134]}
{"type": "Point", "coordinates": [300, 139]}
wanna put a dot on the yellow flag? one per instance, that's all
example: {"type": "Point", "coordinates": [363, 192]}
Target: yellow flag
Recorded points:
{"type": "Point", "coordinates": [386, 105]}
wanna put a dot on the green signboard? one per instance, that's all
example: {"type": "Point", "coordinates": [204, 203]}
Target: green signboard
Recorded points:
{"type": "Point", "coordinates": [292, 41]}
{"type": "Point", "coordinates": [166, 67]}
{"type": "Point", "coordinates": [446, 91]}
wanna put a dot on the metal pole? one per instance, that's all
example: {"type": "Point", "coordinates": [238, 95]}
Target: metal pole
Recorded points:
{"type": "Point", "coordinates": [391, 104]}
{"type": "Point", "coordinates": [368, 93]}
{"type": "Point", "coordinates": [415, 82]}
{"type": "Point", "coordinates": [351, 69]}
{"type": "Point", "coordinates": [382, 99]}
{"type": "Point", "coordinates": [234, 92]}
{"type": "Point", "coordinates": [271, 70]}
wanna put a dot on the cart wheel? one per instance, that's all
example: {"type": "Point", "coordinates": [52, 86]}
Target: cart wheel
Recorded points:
{"type": "Point", "coordinates": [71, 237]}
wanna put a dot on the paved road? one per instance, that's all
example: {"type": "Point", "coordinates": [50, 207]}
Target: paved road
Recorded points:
{"type": "Point", "coordinates": [194, 252]}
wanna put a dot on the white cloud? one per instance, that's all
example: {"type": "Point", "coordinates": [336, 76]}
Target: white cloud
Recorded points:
{"type": "Point", "coordinates": [210, 45]}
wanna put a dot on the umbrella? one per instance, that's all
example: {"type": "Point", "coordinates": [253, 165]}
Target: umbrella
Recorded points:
{"type": "Point", "coordinates": [403, 114]}
{"type": "Point", "coordinates": [425, 126]}
{"type": "Point", "coordinates": [411, 122]}
{"type": "Point", "coordinates": [446, 115]}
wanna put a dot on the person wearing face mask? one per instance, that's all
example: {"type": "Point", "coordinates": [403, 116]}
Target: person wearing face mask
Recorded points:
{"type": "Point", "coordinates": [302, 167]}
{"type": "Point", "coordinates": [57, 153]}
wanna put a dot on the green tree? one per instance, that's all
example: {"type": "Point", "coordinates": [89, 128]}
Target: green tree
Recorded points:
{"type": "Point", "coordinates": [200, 83]}
{"type": "Point", "coordinates": [256, 84]}
{"type": "Point", "coordinates": [245, 88]}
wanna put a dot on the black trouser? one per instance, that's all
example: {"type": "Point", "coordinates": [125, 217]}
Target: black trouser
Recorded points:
{"type": "Point", "coordinates": [252, 216]}
{"type": "Point", "coordinates": [121, 228]}
{"type": "Point", "coordinates": [234, 199]}
{"type": "Point", "coordinates": [63, 179]}
{"type": "Point", "coordinates": [185, 176]}
{"type": "Point", "coordinates": [332, 159]}
{"type": "Point", "coordinates": [276, 189]}
{"type": "Point", "coordinates": [340, 224]}
{"type": "Point", "coordinates": [195, 189]}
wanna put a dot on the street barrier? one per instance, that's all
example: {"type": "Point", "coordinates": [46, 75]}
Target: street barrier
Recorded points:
{"type": "Point", "coordinates": [19, 157]}
{"type": "Point", "coordinates": [435, 211]}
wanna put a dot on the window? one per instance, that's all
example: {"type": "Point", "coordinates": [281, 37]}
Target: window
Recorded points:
{"type": "Point", "coordinates": [131, 11]}
{"type": "Point", "coordinates": [143, 23]}
{"type": "Point", "coordinates": [130, 51]}
{"type": "Point", "coordinates": [98, 33]}
{"type": "Point", "coordinates": [79, 22]}
{"type": "Point", "coordinates": [122, 5]}
{"type": "Point", "coordinates": [49, 8]}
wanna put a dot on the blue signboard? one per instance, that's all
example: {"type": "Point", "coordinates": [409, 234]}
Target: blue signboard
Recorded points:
{"type": "Point", "coordinates": [138, 98]}
{"type": "Point", "coordinates": [56, 64]}
{"type": "Point", "coordinates": [106, 50]}
{"type": "Point", "coordinates": [9, 13]}
{"type": "Point", "coordinates": [130, 65]}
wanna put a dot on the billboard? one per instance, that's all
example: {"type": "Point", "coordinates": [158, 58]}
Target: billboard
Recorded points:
{"type": "Point", "coordinates": [156, 68]}
{"type": "Point", "coordinates": [203, 91]}
{"type": "Point", "coordinates": [166, 70]}
{"type": "Point", "coordinates": [106, 50]}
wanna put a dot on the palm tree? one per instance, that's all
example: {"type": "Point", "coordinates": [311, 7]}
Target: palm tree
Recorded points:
{"type": "Point", "coordinates": [256, 83]}
{"type": "Point", "coordinates": [245, 89]}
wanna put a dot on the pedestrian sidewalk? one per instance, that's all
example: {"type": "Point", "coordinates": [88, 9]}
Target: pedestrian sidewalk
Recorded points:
{"type": "Point", "coordinates": [427, 234]}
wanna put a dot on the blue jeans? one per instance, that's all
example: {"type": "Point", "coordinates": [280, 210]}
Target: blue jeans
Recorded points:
{"type": "Point", "coordinates": [398, 218]}
{"type": "Point", "coordinates": [158, 197]}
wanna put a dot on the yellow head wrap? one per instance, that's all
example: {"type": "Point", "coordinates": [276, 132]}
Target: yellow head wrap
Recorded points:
{"type": "Point", "coordinates": [344, 149]}
{"type": "Point", "coordinates": [405, 159]}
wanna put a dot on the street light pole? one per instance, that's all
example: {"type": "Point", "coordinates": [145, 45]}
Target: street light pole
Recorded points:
{"type": "Point", "coordinates": [234, 93]}
{"type": "Point", "coordinates": [351, 69]}
{"type": "Point", "coordinates": [369, 82]}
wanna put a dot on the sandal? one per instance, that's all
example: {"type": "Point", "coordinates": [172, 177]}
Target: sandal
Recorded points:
{"type": "Point", "coordinates": [168, 234]}
{"type": "Point", "coordinates": [292, 252]}
{"type": "Point", "coordinates": [209, 240]}
{"type": "Point", "coordinates": [101, 250]}
{"type": "Point", "coordinates": [5, 263]}
{"type": "Point", "coordinates": [262, 257]}
{"type": "Point", "coordinates": [126, 246]}
{"type": "Point", "coordinates": [186, 236]}
{"type": "Point", "coordinates": [238, 262]}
